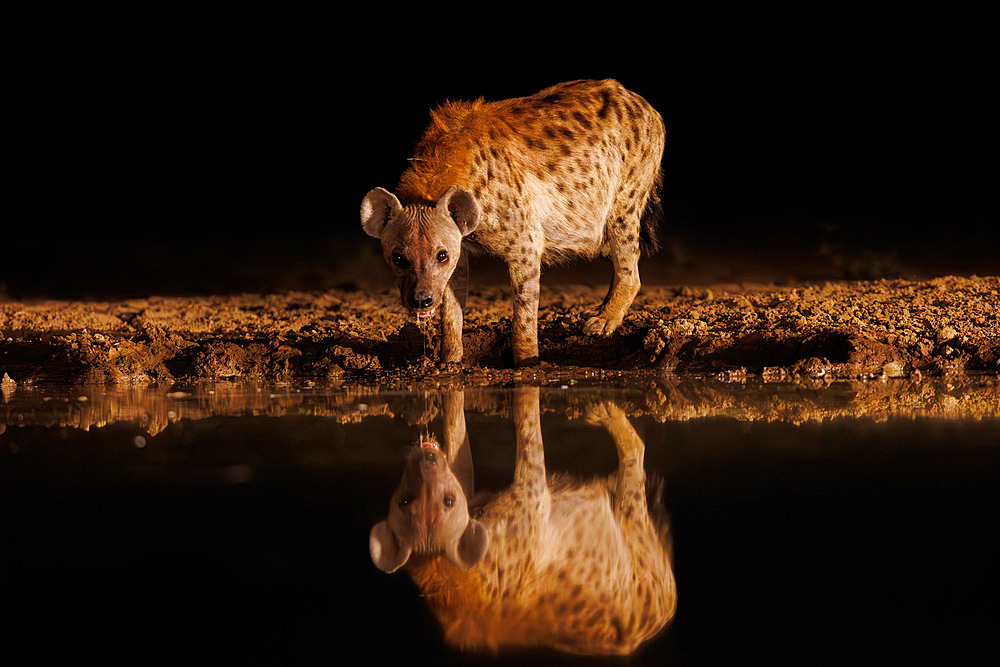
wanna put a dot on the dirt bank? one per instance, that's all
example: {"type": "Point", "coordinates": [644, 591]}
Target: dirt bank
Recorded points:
{"type": "Point", "coordinates": [847, 330]}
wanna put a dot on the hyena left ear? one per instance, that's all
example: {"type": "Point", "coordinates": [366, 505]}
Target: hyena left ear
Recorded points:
{"type": "Point", "coordinates": [376, 208]}
{"type": "Point", "coordinates": [462, 207]}
{"type": "Point", "coordinates": [471, 546]}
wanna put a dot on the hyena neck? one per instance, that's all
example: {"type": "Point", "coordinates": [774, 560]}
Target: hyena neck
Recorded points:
{"type": "Point", "coordinates": [427, 179]}
{"type": "Point", "coordinates": [444, 156]}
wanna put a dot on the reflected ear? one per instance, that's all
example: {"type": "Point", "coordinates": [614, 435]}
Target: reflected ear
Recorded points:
{"type": "Point", "coordinates": [386, 552]}
{"type": "Point", "coordinates": [472, 545]}
{"type": "Point", "coordinates": [376, 208]}
{"type": "Point", "coordinates": [463, 208]}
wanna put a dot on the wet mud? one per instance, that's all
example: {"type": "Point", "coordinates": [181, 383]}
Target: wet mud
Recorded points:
{"type": "Point", "coordinates": [847, 330]}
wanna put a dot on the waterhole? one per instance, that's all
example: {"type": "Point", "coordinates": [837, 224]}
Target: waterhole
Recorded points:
{"type": "Point", "coordinates": [800, 522]}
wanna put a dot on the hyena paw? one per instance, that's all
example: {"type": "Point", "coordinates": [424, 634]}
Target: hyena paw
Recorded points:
{"type": "Point", "coordinates": [601, 325]}
{"type": "Point", "coordinates": [599, 413]}
{"type": "Point", "coordinates": [451, 354]}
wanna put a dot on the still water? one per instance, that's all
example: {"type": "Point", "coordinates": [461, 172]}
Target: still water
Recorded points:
{"type": "Point", "coordinates": [658, 521]}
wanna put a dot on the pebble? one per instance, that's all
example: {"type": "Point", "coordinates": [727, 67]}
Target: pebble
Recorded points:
{"type": "Point", "coordinates": [947, 332]}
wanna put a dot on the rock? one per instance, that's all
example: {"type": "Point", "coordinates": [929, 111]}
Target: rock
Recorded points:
{"type": "Point", "coordinates": [947, 332]}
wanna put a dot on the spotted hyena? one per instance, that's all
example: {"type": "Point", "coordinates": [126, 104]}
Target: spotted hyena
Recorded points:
{"type": "Point", "coordinates": [571, 170]}
{"type": "Point", "coordinates": [550, 561]}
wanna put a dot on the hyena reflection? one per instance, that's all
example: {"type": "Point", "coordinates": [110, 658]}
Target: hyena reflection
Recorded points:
{"type": "Point", "coordinates": [571, 170]}
{"type": "Point", "coordinates": [577, 566]}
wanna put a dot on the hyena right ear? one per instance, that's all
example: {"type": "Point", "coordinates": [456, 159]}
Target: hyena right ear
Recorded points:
{"type": "Point", "coordinates": [386, 551]}
{"type": "Point", "coordinates": [376, 209]}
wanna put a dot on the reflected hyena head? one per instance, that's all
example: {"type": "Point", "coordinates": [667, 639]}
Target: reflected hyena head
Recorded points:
{"type": "Point", "coordinates": [428, 514]}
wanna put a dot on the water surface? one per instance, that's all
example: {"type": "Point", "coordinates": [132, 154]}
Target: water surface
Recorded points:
{"type": "Point", "coordinates": [806, 522]}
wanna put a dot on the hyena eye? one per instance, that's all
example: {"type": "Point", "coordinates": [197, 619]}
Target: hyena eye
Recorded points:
{"type": "Point", "coordinates": [449, 501]}
{"type": "Point", "coordinates": [404, 501]}
{"type": "Point", "coordinates": [442, 256]}
{"type": "Point", "coordinates": [399, 260]}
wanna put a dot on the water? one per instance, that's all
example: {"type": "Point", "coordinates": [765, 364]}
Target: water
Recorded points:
{"type": "Point", "coordinates": [807, 523]}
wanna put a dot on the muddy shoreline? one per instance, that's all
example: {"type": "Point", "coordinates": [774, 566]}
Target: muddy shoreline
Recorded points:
{"type": "Point", "coordinates": [942, 327]}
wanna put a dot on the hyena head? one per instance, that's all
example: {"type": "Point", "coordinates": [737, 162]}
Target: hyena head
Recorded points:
{"type": "Point", "coordinates": [422, 243]}
{"type": "Point", "coordinates": [428, 514]}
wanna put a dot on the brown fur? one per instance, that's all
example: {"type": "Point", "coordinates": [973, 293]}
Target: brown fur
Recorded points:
{"type": "Point", "coordinates": [570, 171]}
{"type": "Point", "coordinates": [553, 562]}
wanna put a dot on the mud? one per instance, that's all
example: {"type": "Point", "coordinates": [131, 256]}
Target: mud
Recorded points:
{"type": "Point", "coordinates": [944, 327]}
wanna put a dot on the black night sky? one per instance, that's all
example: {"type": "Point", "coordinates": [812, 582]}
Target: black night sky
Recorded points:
{"type": "Point", "coordinates": [200, 160]}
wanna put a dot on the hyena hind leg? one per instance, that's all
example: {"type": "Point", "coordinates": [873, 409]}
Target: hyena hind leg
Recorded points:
{"type": "Point", "coordinates": [623, 246]}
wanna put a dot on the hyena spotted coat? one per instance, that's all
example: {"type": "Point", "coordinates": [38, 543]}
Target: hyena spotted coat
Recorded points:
{"type": "Point", "coordinates": [573, 170]}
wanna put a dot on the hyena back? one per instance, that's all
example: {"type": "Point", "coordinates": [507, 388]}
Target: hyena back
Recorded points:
{"type": "Point", "coordinates": [573, 170]}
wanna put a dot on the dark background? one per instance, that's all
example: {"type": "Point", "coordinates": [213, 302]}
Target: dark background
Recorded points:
{"type": "Point", "coordinates": [186, 154]}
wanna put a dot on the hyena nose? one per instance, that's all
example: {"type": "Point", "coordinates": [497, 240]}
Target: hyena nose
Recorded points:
{"type": "Point", "coordinates": [420, 300]}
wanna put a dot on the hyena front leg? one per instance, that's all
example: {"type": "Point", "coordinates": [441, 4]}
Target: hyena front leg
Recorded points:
{"type": "Point", "coordinates": [623, 242]}
{"type": "Point", "coordinates": [452, 319]}
{"type": "Point", "coordinates": [525, 273]}
{"type": "Point", "coordinates": [456, 440]}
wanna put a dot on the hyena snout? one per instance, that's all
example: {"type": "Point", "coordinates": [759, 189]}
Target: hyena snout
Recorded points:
{"type": "Point", "coordinates": [419, 297]}
{"type": "Point", "coordinates": [420, 300]}
{"type": "Point", "coordinates": [422, 461]}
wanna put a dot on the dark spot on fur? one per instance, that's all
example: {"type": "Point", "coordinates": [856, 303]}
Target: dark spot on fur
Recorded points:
{"type": "Point", "coordinates": [582, 120]}
{"type": "Point", "coordinates": [602, 113]}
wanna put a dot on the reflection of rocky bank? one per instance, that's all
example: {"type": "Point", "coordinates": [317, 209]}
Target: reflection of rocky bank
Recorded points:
{"type": "Point", "coordinates": [844, 330]}
{"type": "Point", "coordinates": [668, 398]}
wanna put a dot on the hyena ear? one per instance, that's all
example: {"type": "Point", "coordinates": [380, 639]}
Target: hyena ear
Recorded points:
{"type": "Point", "coordinates": [462, 207]}
{"type": "Point", "coordinates": [376, 209]}
{"type": "Point", "coordinates": [471, 545]}
{"type": "Point", "coordinates": [387, 554]}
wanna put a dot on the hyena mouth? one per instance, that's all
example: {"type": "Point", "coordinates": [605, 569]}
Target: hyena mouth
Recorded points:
{"type": "Point", "coordinates": [423, 314]}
